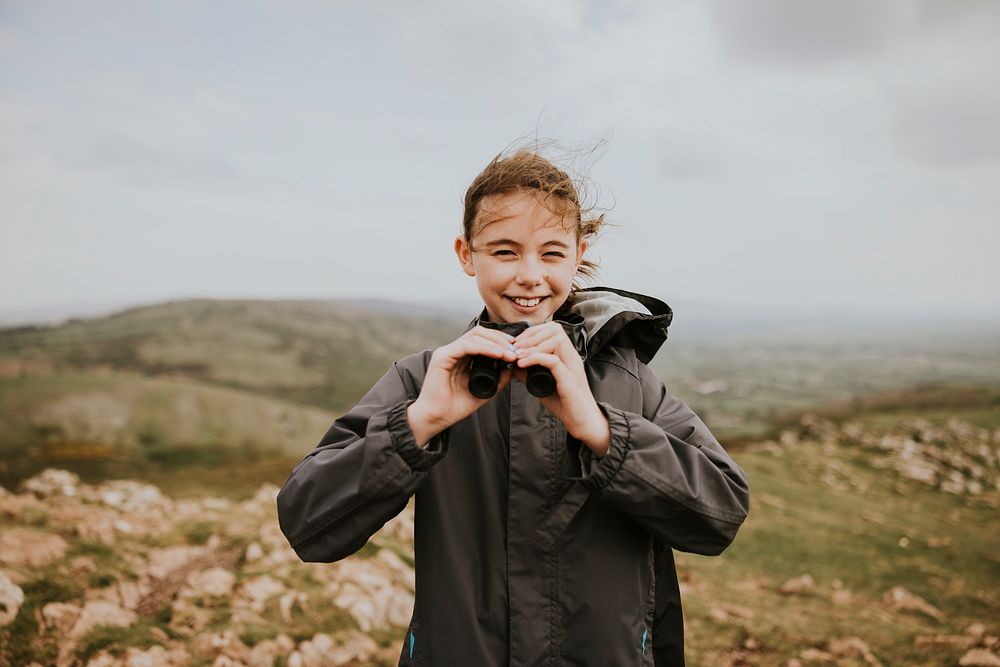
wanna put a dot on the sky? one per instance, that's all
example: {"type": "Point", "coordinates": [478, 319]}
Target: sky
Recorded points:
{"type": "Point", "coordinates": [787, 158]}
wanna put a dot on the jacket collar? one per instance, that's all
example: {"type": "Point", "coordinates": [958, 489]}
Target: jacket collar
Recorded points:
{"type": "Point", "coordinates": [597, 316]}
{"type": "Point", "coordinates": [573, 324]}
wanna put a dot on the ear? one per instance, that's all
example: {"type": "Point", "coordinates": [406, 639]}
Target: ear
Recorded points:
{"type": "Point", "coordinates": [464, 253]}
{"type": "Point", "coordinates": [581, 248]}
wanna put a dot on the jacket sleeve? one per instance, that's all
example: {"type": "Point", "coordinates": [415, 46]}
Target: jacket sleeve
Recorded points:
{"type": "Point", "coordinates": [668, 472]}
{"type": "Point", "coordinates": [361, 474]}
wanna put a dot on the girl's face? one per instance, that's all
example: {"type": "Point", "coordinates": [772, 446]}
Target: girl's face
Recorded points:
{"type": "Point", "coordinates": [523, 256]}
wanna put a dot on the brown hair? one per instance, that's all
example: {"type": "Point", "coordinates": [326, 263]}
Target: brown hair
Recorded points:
{"type": "Point", "coordinates": [555, 189]}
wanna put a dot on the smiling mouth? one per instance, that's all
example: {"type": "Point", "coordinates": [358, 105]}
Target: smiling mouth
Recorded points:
{"type": "Point", "coordinates": [527, 303]}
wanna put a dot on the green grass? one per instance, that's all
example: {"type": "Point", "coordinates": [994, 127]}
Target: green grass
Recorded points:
{"type": "Point", "coordinates": [849, 538]}
{"type": "Point", "coordinates": [21, 642]}
{"type": "Point", "coordinates": [116, 640]}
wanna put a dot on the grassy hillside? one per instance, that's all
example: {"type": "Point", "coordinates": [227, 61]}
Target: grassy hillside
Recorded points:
{"type": "Point", "coordinates": [109, 424]}
{"type": "Point", "coordinates": [187, 387]}
{"type": "Point", "coordinates": [825, 506]}
{"type": "Point", "coordinates": [321, 353]}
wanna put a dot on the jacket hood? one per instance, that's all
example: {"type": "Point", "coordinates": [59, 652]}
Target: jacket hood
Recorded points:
{"type": "Point", "coordinates": [612, 315]}
{"type": "Point", "coordinates": [598, 316]}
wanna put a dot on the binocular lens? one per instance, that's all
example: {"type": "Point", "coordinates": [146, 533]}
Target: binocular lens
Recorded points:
{"type": "Point", "coordinates": [540, 381]}
{"type": "Point", "coordinates": [484, 377]}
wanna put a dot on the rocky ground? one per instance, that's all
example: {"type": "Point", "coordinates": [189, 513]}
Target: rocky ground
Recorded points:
{"type": "Point", "coordinates": [117, 573]}
{"type": "Point", "coordinates": [957, 458]}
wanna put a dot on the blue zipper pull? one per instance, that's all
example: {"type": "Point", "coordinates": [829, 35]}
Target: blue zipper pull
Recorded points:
{"type": "Point", "coordinates": [411, 643]}
{"type": "Point", "coordinates": [645, 633]}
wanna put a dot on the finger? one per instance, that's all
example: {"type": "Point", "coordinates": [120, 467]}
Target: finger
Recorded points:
{"type": "Point", "coordinates": [560, 347]}
{"type": "Point", "coordinates": [552, 339]}
{"type": "Point", "coordinates": [501, 337]}
{"type": "Point", "coordinates": [467, 347]}
{"type": "Point", "coordinates": [509, 353]}
{"type": "Point", "coordinates": [537, 358]}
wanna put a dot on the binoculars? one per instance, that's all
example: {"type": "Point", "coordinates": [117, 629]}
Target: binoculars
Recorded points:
{"type": "Point", "coordinates": [484, 372]}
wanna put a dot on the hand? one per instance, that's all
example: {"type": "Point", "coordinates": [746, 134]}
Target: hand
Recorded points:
{"type": "Point", "coordinates": [573, 403]}
{"type": "Point", "coordinates": [444, 397]}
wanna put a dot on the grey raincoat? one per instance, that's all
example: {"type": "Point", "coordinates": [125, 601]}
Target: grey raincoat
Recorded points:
{"type": "Point", "coordinates": [528, 551]}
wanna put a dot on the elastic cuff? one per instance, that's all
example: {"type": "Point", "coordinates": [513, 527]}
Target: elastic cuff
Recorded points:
{"type": "Point", "coordinates": [599, 472]}
{"type": "Point", "coordinates": [405, 443]}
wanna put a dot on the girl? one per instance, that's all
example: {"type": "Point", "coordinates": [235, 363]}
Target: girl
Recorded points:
{"type": "Point", "coordinates": [544, 527]}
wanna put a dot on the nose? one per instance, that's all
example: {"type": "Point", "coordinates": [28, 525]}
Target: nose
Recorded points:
{"type": "Point", "coordinates": [530, 271]}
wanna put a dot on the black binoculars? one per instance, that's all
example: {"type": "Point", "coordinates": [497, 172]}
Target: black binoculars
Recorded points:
{"type": "Point", "coordinates": [484, 372]}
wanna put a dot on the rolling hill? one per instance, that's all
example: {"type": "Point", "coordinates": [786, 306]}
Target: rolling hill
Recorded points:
{"type": "Point", "coordinates": [195, 381]}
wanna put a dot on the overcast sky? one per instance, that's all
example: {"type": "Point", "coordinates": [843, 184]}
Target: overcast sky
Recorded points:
{"type": "Point", "coordinates": [782, 155]}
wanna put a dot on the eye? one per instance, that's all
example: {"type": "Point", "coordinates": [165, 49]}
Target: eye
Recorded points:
{"type": "Point", "coordinates": [555, 253]}
{"type": "Point", "coordinates": [503, 253]}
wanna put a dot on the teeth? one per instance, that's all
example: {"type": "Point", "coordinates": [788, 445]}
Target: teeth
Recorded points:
{"type": "Point", "coordinates": [527, 303]}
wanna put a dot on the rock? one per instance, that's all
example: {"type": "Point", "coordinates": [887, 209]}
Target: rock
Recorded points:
{"type": "Point", "coordinates": [727, 613]}
{"type": "Point", "coordinates": [128, 495]}
{"type": "Point", "coordinates": [220, 644]}
{"type": "Point", "coordinates": [214, 582]}
{"type": "Point", "coordinates": [101, 612]}
{"type": "Point", "coordinates": [259, 590]}
{"type": "Point", "coordinates": [60, 616]}
{"type": "Point", "coordinates": [370, 596]}
{"type": "Point", "coordinates": [979, 657]}
{"type": "Point", "coordinates": [267, 652]}
{"type": "Point", "coordinates": [88, 522]}
{"type": "Point", "coordinates": [401, 571]}
{"type": "Point", "coordinates": [103, 659]}
{"type": "Point", "coordinates": [976, 630]}
{"type": "Point", "coordinates": [323, 651]}
{"type": "Point", "coordinates": [82, 565]}
{"type": "Point", "coordinates": [131, 593]}
{"type": "Point", "coordinates": [154, 656]}
{"type": "Point", "coordinates": [23, 546]}
{"type": "Point", "coordinates": [900, 599]}
{"type": "Point", "coordinates": [801, 584]}
{"type": "Point", "coordinates": [266, 496]}
{"type": "Point", "coordinates": [24, 508]}
{"type": "Point", "coordinates": [52, 482]}
{"type": "Point", "coordinates": [853, 647]}
{"type": "Point", "coordinates": [253, 552]}
{"type": "Point", "coordinates": [288, 600]}
{"type": "Point", "coordinates": [816, 655]}
{"type": "Point", "coordinates": [841, 597]}
{"type": "Point", "coordinates": [187, 618]}
{"type": "Point", "coordinates": [164, 560]}
{"type": "Point", "coordinates": [11, 599]}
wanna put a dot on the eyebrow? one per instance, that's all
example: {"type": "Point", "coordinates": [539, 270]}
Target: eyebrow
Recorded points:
{"type": "Point", "coordinates": [498, 242]}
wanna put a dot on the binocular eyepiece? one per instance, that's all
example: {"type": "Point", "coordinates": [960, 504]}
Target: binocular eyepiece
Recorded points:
{"type": "Point", "coordinates": [484, 378]}
{"type": "Point", "coordinates": [484, 372]}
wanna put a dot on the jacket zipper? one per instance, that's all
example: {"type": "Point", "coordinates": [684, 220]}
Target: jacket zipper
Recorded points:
{"type": "Point", "coordinates": [510, 469]}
